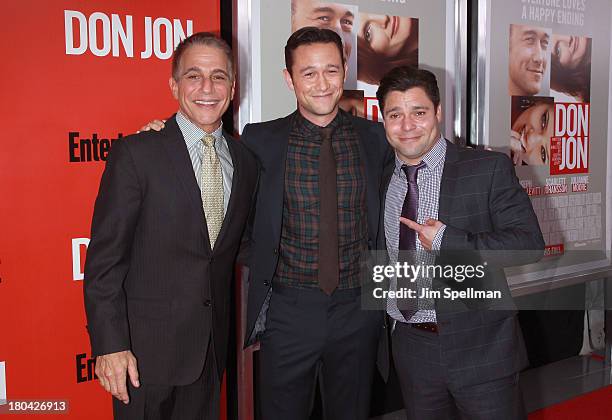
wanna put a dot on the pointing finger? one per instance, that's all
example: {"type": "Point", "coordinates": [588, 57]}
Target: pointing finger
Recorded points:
{"type": "Point", "coordinates": [411, 224]}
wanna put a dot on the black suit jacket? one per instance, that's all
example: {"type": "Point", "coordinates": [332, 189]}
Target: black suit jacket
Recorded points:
{"type": "Point", "coordinates": [152, 283]}
{"type": "Point", "coordinates": [484, 209]}
{"type": "Point", "coordinates": [269, 141]}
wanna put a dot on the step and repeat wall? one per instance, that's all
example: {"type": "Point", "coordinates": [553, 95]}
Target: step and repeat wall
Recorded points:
{"type": "Point", "coordinates": [544, 100]}
{"type": "Point", "coordinates": [377, 36]}
{"type": "Point", "coordinates": [419, 33]}
{"type": "Point", "coordinates": [76, 76]}
{"type": "Point", "coordinates": [540, 93]}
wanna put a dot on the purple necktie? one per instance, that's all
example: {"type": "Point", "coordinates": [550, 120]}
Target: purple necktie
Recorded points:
{"type": "Point", "coordinates": [407, 236]}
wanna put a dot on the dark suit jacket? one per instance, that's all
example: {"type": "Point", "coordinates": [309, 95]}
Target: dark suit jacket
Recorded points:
{"type": "Point", "coordinates": [269, 141]}
{"type": "Point", "coordinates": [484, 208]}
{"type": "Point", "coordinates": [152, 283]}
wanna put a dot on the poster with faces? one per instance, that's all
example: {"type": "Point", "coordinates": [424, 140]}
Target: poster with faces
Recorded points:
{"type": "Point", "coordinates": [546, 107]}
{"type": "Point", "coordinates": [376, 37]}
{"type": "Point", "coordinates": [374, 43]}
{"type": "Point", "coordinates": [544, 69]}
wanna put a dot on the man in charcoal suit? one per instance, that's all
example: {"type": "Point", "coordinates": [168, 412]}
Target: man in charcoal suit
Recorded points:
{"type": "Point", "coordinates": [317, 212]}
{"type": "Point", "coordinates": [458, 357]}
{"type": "Point", "coordinates": [169, 221]}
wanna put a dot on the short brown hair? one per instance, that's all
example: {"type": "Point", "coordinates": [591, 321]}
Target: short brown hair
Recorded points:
{"type": "Point", "coordinates": [311, 35]}
{"type": "Point", "coordinates": [407, 77]}
{"type": "Point", "coordinates": [201, 38]}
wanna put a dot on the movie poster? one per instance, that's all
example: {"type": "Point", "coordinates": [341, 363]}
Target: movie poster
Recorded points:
{"type": "Point", "coordinates": [547, 96]}
{"type": "Point", "coordinates": [373, 44]}
{"type": "Point", "coordinates": [377, 36]}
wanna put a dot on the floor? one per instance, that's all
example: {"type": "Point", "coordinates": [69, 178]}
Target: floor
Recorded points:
{"type": "Point", "coordinates": [555, 382]}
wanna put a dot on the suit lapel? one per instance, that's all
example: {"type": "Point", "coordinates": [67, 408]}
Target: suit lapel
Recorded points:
{"type": "Point", "coordinates": [369, 154]}
{"type": "Point", "coordinates": [386, 180]}
{"type": "Point", "coordinates": [275, 177]}
{"type": "Point", "coordinates": [387, 173]}
{"type": "Point", "coordinates": [448, 183]}
{"type": "Point", "coordinates": [179, 156]}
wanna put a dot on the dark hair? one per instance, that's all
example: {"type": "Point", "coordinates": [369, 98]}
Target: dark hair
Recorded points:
{"type": "Point", "coordinates": [311, 35]}
{"type": "Point", "coordinates": [373, 65]}
{"type": "Point", "coordinates": [201, 38]}
{"type": "Point", "coordinates": [407, 77]}
{"type": "Point", "coordinates": [575, 82]}
{"type": "Point", "coordinates": [520, 104]}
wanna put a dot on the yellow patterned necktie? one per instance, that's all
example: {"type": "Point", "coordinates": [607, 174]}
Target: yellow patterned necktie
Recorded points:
{"type": "Point", "coordinates": [212, 188]}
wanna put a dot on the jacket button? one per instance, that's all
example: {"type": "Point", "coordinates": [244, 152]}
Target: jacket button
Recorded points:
{"type": "Point", "coordinates": [266, 283]}
{"type": "Point", "coordinates": [207, 302]}
{"type": "Point", "coordinates": [275, 251]}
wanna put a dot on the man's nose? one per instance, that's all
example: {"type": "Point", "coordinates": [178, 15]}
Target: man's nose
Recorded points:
{"type": "Point", "coordinates": [408, 124]}
{"type": "Point", "coordinates": [538, 55]}
{"type": "Point", "coordinates": [336, 26]}
{"type": "Point", "coordinates": [207, 84]}
{"type": "Point", "coordinates": [322, 82]}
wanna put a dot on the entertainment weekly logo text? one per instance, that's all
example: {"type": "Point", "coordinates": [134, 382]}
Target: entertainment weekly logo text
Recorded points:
{"type": "Point", "coordinates": [569, 148]}
{"type": "Point", "coordinates": [79, 250]}
{"type": "Point", "coordinates": [103, 34]}
{"type": "Point", "coordinates": [92, 149]}
{"type": "Point", "coordinates": [85, 368]}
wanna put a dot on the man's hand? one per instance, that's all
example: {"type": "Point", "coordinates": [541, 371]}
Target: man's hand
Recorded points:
{"type": "Point", "coordinates": [426, 233]}
{"type": "Point", "coordinates": [111, 370]}
{"type": "Point", "coordinates": [154, 125]}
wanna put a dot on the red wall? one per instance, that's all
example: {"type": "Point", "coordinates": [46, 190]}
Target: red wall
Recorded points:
{"type": "Point", "coordinates": [46, 200]}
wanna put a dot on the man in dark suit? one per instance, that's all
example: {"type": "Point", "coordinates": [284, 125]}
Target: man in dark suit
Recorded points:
{"type": "Point", "coordinates": [452, 357]}
{"type": "Point", "coordinates": [317, 212]}
{"type": "Point", "coordinates": [169, 221]}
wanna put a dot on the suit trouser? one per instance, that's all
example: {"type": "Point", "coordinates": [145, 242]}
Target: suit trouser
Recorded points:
{"type": "Point", "coordinates": [429, 392]}
{"type": "Point", "coordinates": [199, 400]}
{"type": "Point", "coordinates": [306, 328]}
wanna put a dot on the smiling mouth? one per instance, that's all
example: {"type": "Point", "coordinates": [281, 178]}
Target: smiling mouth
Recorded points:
{"type": "Point", "coordinates": [206, 103]}
{"type": "Point", "coordinates": [394, 25]}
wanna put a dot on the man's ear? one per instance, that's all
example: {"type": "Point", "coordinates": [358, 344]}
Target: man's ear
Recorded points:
{"type": "Point", "coordinates": [439, 113]}
{"type": "Point", "coordinates": [173, 87]}
{"type": "Point", "coordinates": [288, 79]}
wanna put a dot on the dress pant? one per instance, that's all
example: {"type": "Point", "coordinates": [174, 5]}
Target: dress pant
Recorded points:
{"type": "Point", "coordinates": [197, 401]}
{"type": "Point", "coordinates": [430, 393]}
{"type": "Point", "coordinates": [307, 330]}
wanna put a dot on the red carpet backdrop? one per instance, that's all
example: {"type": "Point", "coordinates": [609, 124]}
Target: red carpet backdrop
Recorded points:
{"type": "Point", "coordinates": [592, 406]}
{"type": "Point", "coordinates": [75, 76]}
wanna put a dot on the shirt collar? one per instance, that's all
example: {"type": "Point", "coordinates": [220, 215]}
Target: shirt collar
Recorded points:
{"type": "Point", "coordinates": [192, 133]}
{"type": "Point", "coordinates": [432, 159]}
{"type": "Point", "coordinates": [313, 128]}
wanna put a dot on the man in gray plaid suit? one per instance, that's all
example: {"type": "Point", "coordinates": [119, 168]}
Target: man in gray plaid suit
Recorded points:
{"type": "Point", "coordinates": [452, 358]}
